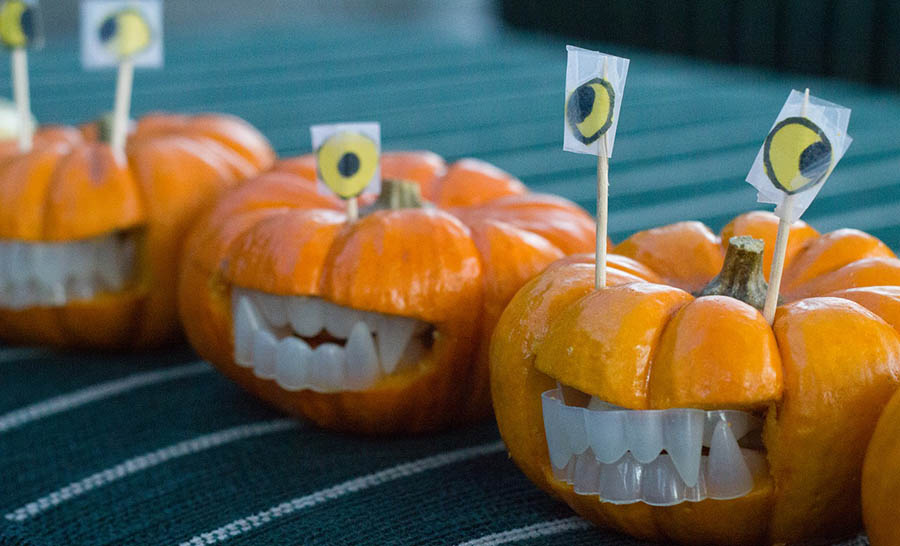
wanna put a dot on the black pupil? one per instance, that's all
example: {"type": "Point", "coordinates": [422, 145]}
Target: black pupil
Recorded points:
{"type": "Point", "coordinates": [814, 160]}
{"type": "Point", "coordinates": [108, 29]}
{"type": "Point", "coordinates": [581, 103]}
{"type": "Point", "coordinates": [28, 24]}
{"type": "Point", "coordinates": [348, 164]}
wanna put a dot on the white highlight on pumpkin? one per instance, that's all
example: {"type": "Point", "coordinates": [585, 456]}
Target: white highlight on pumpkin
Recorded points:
{"type": "Point", "coordinates": [272, 336]}
{"type": "Point", "coordinates": [146, 461]}
{"type": "Point", "coordinates": [651, 456]}
{"type": "Point", "coordinates": [401, 471]}
{"type": "Point", "coordinates": [22, 97]}
{"type": "Point", "coordinates": [53, 274]}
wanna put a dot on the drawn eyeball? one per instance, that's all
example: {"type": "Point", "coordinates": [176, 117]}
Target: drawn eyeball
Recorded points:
{"type": "Point", "coordinates": [126, 33]}
{"type": "Point", "coordinates": [797, 154]}
{"type": "Point", "coordinates": [589, 109]}
{"type": "Point", "coordinates": [16, 23]}
{"type": "Point", "coordinates": [347, 162]}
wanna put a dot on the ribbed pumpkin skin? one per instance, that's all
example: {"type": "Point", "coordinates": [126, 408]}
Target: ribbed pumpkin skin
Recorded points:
{"type": "Point", "coordinates": [70, 187]}
{"type": "Point", "coordinates": [881, 478]}
{"type": "Point", "coordinates": [820, 388]}
{"type": "Point", "coordinates": [454, 266]}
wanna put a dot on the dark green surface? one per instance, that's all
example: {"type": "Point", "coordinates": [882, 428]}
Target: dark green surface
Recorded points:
{"type": "Point", "coordinates": [853, 39]}
{"type": "Point", "coordinates": [687, 137]}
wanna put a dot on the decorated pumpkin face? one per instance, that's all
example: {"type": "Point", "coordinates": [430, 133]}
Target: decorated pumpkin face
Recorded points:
{"type": "Point", "coordinates": [375, 326]}
{"type": "Point", "coordinates": [666, 407]}
{"type": "Point", "coordinates": [89, 246]}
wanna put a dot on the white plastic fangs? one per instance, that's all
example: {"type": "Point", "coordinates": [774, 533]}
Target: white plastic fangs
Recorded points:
{"type": "Point", "coordinates": [53, 274]}
{"type": "Point", "coordinates": [272, 335]}
{"type": "Point", "coordinates": [651, 456]}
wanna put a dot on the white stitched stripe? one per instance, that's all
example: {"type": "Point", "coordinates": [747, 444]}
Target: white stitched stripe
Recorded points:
{"type": "Point", "coordinates": [404, 470]}
{"type": "Point", "coordinates": [65, 402]}
{"type": "Point", "coordinates": [148, 460]}
{"type": "Point", "coordinates": [22, 353]}
{"type": "Point", "coordinates": [537, 530]}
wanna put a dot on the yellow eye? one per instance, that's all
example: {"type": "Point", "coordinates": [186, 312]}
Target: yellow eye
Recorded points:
{"type": "Point", "coordinates": [16, 23]}
{"type": "Point", "coordinates": [346, 163]}
{"type": "Point", "coordinates": [796, 155]}
{"type": "Point", "coordinates": [589, 109]}
{"type": "Point", "coordinates": [126, 33]}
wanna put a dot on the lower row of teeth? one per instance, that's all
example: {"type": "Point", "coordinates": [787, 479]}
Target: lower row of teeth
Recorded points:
{"type": "Point", "coordinates": [52, 274]}
{"type": "Point", "coordinates": [267, 344]}
{"type": "Point", "coordinates": [652, 456]}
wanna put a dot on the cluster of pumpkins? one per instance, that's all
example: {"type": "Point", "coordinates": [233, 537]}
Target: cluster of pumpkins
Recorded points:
{"type": "Point", "coordinates": [456, 291]}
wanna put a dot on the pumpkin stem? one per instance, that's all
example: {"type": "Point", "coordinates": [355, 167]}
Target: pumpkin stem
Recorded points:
{"type": "Point", "coordinates": [104, 127]}
{"type": "Point", "coordinates": [398, 194]}
{"type": "Point", "coordinates": [742, 273]}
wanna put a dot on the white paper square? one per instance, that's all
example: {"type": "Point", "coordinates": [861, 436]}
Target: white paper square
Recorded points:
{"type": "Point", "coordinates": [584, 65]}
{"type": "Point", "coordinates": [93, 53]}
{"type": "Point", "coordinates": [371, 129]}
{"type": "Point", "coordinates": [833, 119]}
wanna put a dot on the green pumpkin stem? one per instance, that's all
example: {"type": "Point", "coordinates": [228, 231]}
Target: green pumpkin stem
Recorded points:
{"type": "Point", "coordinates": [741, 276]}
{"type": "Point", "coordinates": [105, 127]}
{"type": "Point", "coordinates": [397, 194]}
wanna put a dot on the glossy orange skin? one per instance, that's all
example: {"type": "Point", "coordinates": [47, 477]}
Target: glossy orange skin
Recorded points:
{"type": "Point", "coordinates": [455, 266]}
{"type": "Point", "coordinates": [71, 187]}
{"type": "Point", "coordinates": [881, 479]}
{"type": "Point", "coordinates": [821, 375]}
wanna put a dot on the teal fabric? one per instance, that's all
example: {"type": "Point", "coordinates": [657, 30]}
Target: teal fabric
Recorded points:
{"type": "Point", "coordinates": [156, 448]}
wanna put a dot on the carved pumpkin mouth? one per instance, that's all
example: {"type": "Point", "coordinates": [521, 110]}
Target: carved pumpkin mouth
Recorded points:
{"type": "Point", "coordinates": [658, 457]}
{"type": "Point", "coordinates": [308, 343]}
{"type": "Point", "coordinates": [52, 274]}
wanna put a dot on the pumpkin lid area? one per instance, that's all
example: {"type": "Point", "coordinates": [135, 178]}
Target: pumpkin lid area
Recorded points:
{"type": "Point", "coordinates": [418, 261]}
{"type": "Point", "coordinates": [70, 186]}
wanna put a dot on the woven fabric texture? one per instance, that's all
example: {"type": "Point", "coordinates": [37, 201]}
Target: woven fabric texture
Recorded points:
{"type": "Point", "coordinates": [157, 448]}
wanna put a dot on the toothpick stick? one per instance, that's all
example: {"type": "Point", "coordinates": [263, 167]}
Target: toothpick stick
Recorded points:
{"type": "Point", "coordinates": [602, 206]}
{"type": "Point", "coordinates": [352, 210]}
{"type": "Point", "coordinates": [781, 241]}
{"type": "Point", "coordinates": [22, 98]}
{"type": "Point", "coordinates": [122, 109]}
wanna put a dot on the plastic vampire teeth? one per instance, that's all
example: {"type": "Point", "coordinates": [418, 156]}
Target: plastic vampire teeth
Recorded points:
{"type": "Point", "coordinates": [305, 342]}
{"type": "Point", "coordinates": [53, 274]}
{"type": "Point", "coordinates": [651, 456]}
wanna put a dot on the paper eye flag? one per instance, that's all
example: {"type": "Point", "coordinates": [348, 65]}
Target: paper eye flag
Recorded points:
{"type": "Point", "coordinates": [19, 24]}
{"type": "Point", "coordinates": [595, 83]}
{"type": "Point", "coordinates": [113, 31]}
{"type": "Point", "coordinates": [348, 158]}
{"type": "Point", "coordinates": [799, 153]}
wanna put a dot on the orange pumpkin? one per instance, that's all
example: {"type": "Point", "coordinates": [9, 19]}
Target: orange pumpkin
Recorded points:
{"type": "Point", "coordinates": [89, 246]}
{"type": "Point", "coordinates": [378, 326]}
{"type": "Point", "coordinates": [881, 476]}
{"type": "Point", "coordinates": [685, 417]}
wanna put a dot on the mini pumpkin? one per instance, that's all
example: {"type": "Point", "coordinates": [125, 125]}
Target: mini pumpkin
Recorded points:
{"type": "Point", "coordinates": [377, 326]}
{"type": "Point", "coordinates": [881, 473]}
{"type": "Point", "coordinates": [685, 417]}
{"type": "Point", "coordinates": [89, 246]}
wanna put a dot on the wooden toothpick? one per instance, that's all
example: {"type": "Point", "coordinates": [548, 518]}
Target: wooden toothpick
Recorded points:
{"type": "Point", "coordinates": [122, 110]}
{"type": "Point", "coordinates": [781, 241]}
{"type": "Point", "coordinates": [21, 95]}
{"type": "Point", "coordinates": [602, 205]}
{"type": "Point", "coordinates": [352, 210]}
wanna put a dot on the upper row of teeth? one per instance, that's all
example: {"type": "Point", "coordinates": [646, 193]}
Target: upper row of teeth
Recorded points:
{"type": "Point", "coordinates": [266, 327]}
{"type": "Point", "coordinates": [51, 274]}
{"type": "Point", "coordinates": [609, 432]}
